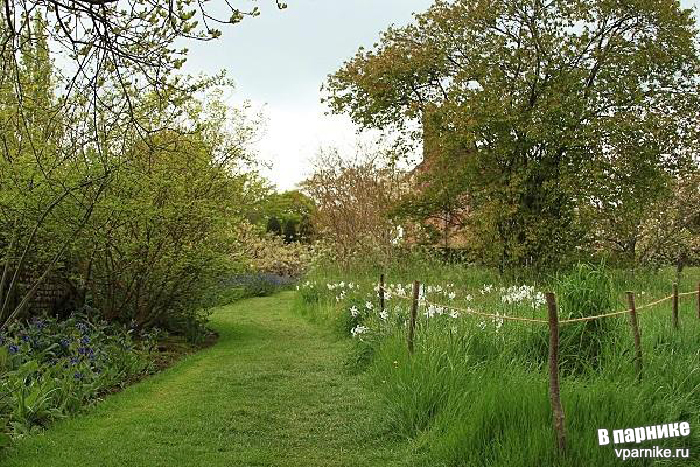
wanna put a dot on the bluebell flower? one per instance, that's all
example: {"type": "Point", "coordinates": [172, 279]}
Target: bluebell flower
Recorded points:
{"type": "Point", "coordinates": [13, 349]}
{"type": "Point", "coordinates": [25, 338]}
{"type": "Point", "coordinates": [74, 360]}
{"type": "Point", "coordinates": [78, 375]}
{"type": "Point", "coordinates": [85, 339]}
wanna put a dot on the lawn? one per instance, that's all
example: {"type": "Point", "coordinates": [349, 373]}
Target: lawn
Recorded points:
{"type": "Point", "coordinates": [272, 392]}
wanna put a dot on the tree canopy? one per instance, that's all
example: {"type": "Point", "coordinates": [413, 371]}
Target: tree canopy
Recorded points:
{"type": "Point", "coordinates": [540, 101]}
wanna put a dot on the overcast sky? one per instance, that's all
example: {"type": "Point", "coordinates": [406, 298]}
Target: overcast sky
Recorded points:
{"type": "Point", "coordinates": [279, 61]}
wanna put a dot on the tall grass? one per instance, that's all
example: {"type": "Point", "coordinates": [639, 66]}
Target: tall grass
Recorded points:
{"type": "Point", "coordinates": [475, 393]}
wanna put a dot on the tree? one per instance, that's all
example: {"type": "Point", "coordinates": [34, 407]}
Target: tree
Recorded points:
{"type": "Point", "coordinates": [354, 201]}
{"type": "Point", "coordinates": [285, 212]}
{"type": "Point", "coordinates": [123, 45]}
{"type": "Point", "coordinates": [531, 97]}
{"type": "Point", "coordinates": [306, 229]}
{"type": "Point", "coordinates": [290, 231]}
{"type": "Point", "coordinates": [274, 225]}
{"type": "Point", "coordinates": [66, 133]}
{"type": "Point", "coordinates": [670, 232]}
{"type": "Point", "coordinates": [50, 183]}
{"type": "Point", "coordinates": [163, 235]}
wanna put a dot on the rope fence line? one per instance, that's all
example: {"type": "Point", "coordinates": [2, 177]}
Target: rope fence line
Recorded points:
{"type": "Point", "coordinates": [471, 311]}
{"type": "Point", "coordinates": [533, 320]}
{"type": "Point", "coordinates": [554, 326]}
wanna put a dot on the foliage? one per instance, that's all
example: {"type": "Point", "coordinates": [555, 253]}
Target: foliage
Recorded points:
{"type": "Point", "coordinates": [538, 104]}
{"type": "Point", "coordinates": [50, 369]}
{"type": "Point", "coordinates": [287, 214]}
{"type": "Point", "coordinates": [268, 253]}
{"type": "Point", "coordinates": [472, 393]}
{"type": "Point", "coordinates": [162, 234]}
{"type": "Point", "coordinates": [274, 226]}
{"type": "Point", "coordinates": [671, 231]}
{"type": "Point", "coordinates": [290, 231]}
{"type": "Point", "coordinates": [354, 200]}
{"type": "Point", "coordinates": [437, 207]}
{"type": "Point", "coordinates": [250, 285]}
{"type": "Point", "coordinates": [138, 224]}
{"type": "Point", "coordinates": [122, 198]}
{"type": "Point", "coordinates": [112, 52]}
{"type": "Point", "coordinates": [52, 177]}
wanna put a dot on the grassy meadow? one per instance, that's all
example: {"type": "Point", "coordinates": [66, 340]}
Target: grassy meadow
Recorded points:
{"type": "Point", "coordinates": [475, 391]}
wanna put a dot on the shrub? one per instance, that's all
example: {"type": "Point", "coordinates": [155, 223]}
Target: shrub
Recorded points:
{"type": "Point", "coordinates": [268, 253]}
{"type": "Point", "coordinates": [50, 369]}
{"type": "Point", "coordinates": [253, 285]}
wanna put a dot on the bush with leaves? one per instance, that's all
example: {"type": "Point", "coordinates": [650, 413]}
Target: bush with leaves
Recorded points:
{"type": "Point", "coordinates": [258, 252]}
{"type": "Point", "coordinates": [253, 285]}
{"type": "Point", "coordinates": [354, 202]}
{"type": "Point", "coordinates": [161, 237]}
{"type": "Point", "coordinates": [50, 369]}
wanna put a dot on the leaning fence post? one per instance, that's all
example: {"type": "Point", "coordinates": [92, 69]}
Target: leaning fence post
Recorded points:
{"type": "Point", "coordinates": [635, 332]}
{"type": "Point", "coordinates": [675, 305]}
{"type": "Point", "coordinates": [381, 293]}
{"type": "Point", "coordinates": [557, 411]}
{"type": "Point", "coordinates": [414, 311]}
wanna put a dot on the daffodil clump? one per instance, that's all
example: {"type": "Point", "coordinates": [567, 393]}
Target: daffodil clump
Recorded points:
{"type": "Point", "coordinates": [358, 306]}
{"type": "Point", "coordinates": [475, 385]}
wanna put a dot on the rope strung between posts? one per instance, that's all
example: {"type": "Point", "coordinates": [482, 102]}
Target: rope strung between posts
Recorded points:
{"type": "Point", "coordinates": [474, 312]}
{"type": "Point", "coordinates": [532, 320]}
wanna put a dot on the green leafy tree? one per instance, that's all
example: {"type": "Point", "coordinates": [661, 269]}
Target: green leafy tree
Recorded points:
{"type": "Point", "coordinates": [290, 231]}
{"type": "Point", "coordinates": [306, 229]}
{"type": "Point", "coordinates": [163, 234]}
{"type": "Point", "coordinates": [285, 212]}
{"type": "Point", "coordinates": [274, 225]}
{"type": "Point", "coordinates": [530, 98]}
{"type": "Point", "coordinates": [50, 182]}
{"type": "Point", "coordinates": [68, 134]}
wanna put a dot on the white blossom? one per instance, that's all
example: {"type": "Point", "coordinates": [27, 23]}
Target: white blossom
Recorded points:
{"type": "Point", "coordinates": [357, 330]}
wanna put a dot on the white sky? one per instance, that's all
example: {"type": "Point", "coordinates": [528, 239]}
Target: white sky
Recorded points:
{"type": "Point", "coordinates": [279, 61]}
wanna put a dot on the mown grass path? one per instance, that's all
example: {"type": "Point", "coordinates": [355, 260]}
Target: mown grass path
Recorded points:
{"type": "Point", "coordinates": [271, 392]}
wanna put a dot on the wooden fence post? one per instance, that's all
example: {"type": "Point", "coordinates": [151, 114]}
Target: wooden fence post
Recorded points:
{"type": "Point", "coordinates": [635, 332]}
{"type": "Point", "coordinates": [381, 293]}
{"type": "Point", "coordinates": [675, 306]}
{"type": "Point", "coordinates": [557, 411]}
{"type": "Point", "coordinates": [414, 311]}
